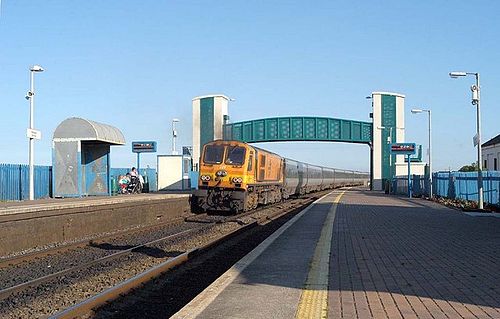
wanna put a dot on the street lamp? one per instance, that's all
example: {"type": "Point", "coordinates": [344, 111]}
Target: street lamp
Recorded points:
{"type": "Point", "coordinates": [174, 136]}
{"type": "Point", "coordinates": [416, 111]}
{"type": "Point", "coordinates": [475, 101]}
{"type": "Point", "coordinates": [32, 134]}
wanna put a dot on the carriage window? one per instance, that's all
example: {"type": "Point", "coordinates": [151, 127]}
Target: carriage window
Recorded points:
{"type": "Point", "coordinates": [235, 155]}
{"type": "Point", "coordinates": [213, 154]}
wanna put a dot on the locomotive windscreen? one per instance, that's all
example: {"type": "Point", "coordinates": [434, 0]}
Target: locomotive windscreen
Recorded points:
{"type": "Point", "coordinates": [213, 154]}
{"type": "Point", "coordinates": [235, 155]}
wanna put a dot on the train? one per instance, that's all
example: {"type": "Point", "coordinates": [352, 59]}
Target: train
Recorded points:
{"type": "Point", "coordinates": [235, 176]}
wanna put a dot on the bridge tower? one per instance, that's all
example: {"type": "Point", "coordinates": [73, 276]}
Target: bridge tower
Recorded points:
{"type": "Point", "coordinates": [388, 128]}
{"type": "Point", "coordinates": [209, 113]}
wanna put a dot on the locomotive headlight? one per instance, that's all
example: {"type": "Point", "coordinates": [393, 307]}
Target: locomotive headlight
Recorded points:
{"type": "Point", "coordinates": [237, 180]}
{"type": "Point", "coordinates": [205, 178]}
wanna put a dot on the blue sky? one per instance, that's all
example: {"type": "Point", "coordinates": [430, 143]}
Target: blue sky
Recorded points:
{"type": "Point", "coordinates": [137, 64]}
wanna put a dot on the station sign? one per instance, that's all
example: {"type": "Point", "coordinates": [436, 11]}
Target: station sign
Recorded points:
{"type": "Point", "coordinates": [403, 148]}
{"type": "Point", "coordinates": [35, 134]}
{"type": "Point", "coordinates": [144, 147]}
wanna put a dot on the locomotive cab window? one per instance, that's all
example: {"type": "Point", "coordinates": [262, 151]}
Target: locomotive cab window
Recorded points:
{"type": "Point", "coordinates": [235, 155]}
{"type": "Point", "coordinates": [250, 162]}
{"type": "Point", "coordinates": [213, 154]}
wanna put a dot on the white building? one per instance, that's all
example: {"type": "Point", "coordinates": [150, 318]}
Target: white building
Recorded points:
{"type": "Point", "coordinates": [491, 154]}
{"type": "Point", "coordinates": [209, 112]}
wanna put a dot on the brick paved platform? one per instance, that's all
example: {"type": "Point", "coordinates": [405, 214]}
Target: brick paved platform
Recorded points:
{"type": "Point", "coordinates": [389, 258]}
{"type": "Point", "coordinates": [400, 258]}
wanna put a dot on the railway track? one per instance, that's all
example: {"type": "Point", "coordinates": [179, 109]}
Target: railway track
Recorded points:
{"type": "Point", "coordinates": [32, 283]}
{"type": "Point", "coordinates": [106, 277]}
{"type": "Point", "coordinates": [57, 249]}
{"type": "Point", "coordinates": [260, 216]}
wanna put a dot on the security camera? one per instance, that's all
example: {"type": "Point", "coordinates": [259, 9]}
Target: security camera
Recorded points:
{"type": "Point", "coordinates": [29, 95]}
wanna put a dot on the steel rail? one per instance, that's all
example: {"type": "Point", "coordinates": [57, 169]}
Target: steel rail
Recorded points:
{"type": "Point", "coordinates": [87, 306]}
{"type": "Point", "coordinates": [207, 218]}
{"type": "Point", "coordinates": [124, 287]}
{"type": "Point", "coordinates": [5, 293]}
{"type": "Point", "coordinates": [15, 260]}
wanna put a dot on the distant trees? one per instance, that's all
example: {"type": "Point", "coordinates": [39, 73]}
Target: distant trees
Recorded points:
{"type": "Point", "coordinates": [469, 168]}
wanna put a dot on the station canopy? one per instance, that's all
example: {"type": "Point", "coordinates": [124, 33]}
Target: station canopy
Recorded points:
{"type": "Point", "coordinates": [76, 128]}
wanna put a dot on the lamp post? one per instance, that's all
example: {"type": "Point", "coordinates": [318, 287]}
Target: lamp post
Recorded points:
{"type": "Point", "coordinates": [475, 101]}
{"type": "Point", "coordinates": [174, 136]}
{"type": "Point", "coordinates": [416, 111]}
{"type": "Point", "coordinates": [32, 133]}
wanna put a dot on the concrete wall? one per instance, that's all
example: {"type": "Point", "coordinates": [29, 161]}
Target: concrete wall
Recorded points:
{"type": "Point", "coordinates": [416, 168]}
{"type": "Point", "coordinates": [24, 231]}
{"type": "Point", "coordinates": [196, 132]}
{"type": "Point", "coordinates": [171, 173]}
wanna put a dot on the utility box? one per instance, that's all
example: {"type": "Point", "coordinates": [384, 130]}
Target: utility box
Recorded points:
{"type": "Point", "coordinates": [173, 172]}
{"type": "Point", "coordinates": [80, 157]}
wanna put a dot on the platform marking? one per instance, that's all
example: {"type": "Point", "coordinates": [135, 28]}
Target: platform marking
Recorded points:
{"type": "Point", "coordinates": [194, 308]}
{"type": "Point", "coordinates": [314, 298]}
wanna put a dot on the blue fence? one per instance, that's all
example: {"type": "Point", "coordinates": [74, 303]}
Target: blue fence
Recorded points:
{"type": "Point", "coordinates": [14, 182]}
{"type": "Point", "coordinates": [463, 185]}
{"type": "Point", "coordinates": [453, 185]}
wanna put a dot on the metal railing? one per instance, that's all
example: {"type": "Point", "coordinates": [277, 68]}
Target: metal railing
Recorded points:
{"type": "Point", "coordinates": [14, 180]}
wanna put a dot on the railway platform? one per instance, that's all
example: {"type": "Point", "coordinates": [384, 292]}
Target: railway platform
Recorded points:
{"type": "Point", "coordinates": [57, 221]}
{"type": "Point", "coordinates": [360, 254]}
{"type": "Point", "coordinates": [49, 204]}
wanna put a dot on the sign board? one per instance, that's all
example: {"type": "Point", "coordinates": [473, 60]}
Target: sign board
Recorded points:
{"type": "Point", "coordinates": [475, 140]}
{"type": "Point", "coordinates": [144, 147]}
{"type": "Point", "coordinates": [403, 148]}
{"type": "Point", "coordinates": [31, 133]}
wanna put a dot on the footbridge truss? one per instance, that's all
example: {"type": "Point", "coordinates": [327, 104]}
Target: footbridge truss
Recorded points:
{"type": "Point", "coordinates": [298, 128]}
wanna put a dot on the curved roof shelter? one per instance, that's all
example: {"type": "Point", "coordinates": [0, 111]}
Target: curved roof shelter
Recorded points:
{"type": "Point", "coordinates": [75, 128]}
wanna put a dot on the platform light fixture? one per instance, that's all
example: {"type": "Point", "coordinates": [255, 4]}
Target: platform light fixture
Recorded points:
{"type": "Point", "coordinates": [32, 134]}
{"type": "Point", "coordinates": [416, 111]}
{"type": "Point", "coordinates": [174, 135]}
{"type": "Point", "coordinates": [455, 75]}
{"type": "Point", "coordinates": [476, 96]}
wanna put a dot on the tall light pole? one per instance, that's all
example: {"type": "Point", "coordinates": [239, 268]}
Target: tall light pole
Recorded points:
{"type": "Point", "coordinates": [174, 136]}
{"type": "Point", "coordinates": [415, 111]}
{"type": "Point", "coordinates": [476, 101]}
{"type": "Point", "coordinates": [32, 134]}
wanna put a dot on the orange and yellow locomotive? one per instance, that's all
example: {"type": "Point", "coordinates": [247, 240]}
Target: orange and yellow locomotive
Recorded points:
{"type": "Point", "coordinates": [235, 176]}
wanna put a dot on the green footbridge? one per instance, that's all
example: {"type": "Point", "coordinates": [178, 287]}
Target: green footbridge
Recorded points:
{"type": "Point", "coordinates": [299, 128]}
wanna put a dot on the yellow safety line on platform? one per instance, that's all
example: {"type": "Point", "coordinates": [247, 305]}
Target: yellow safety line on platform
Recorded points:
{"type": "Point", "coordinates": [314, 298]}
